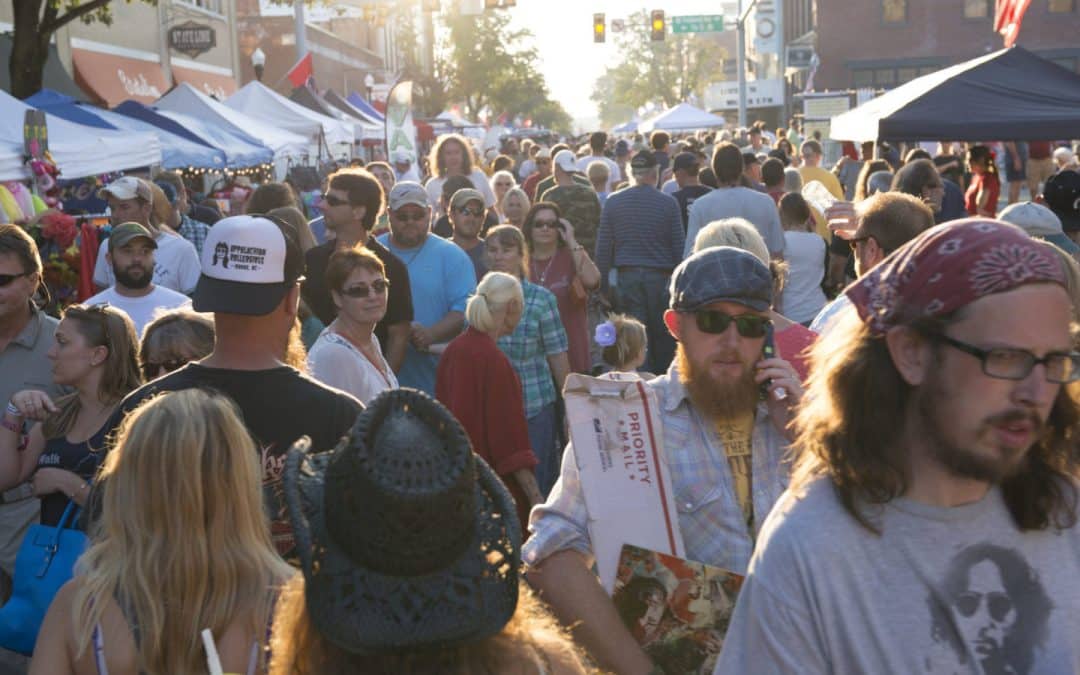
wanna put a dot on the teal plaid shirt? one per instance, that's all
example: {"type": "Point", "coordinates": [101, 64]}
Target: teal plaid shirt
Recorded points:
{"type": "Point", "coordinates": [538, 335]}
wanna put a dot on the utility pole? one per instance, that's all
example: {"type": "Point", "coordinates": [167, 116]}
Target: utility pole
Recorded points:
{"type": "Point", "coordinates": [300, 29]}
{"type": "Point", "coordinates": [740, 47]}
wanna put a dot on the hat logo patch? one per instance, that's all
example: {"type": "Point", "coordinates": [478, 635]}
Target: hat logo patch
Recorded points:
{"type": "Point", "coordinates": [221, 253]}
{"type": "Point", "coordinates": [242, 258]}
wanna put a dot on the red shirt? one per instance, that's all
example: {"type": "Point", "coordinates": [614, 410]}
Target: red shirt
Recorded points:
{"type": "Point", "coordinates": [529, 186]}
{"type": "Point", "coordinates": [477, 383]}
{"type": "Point", "coordinates": [1040, 149]}
{"type": "Point", "coordinates": [792, 343]}
{"type": "Point", "coordinates": [987, 182]}
{"type": "Point", "coordinates": [557, 275]}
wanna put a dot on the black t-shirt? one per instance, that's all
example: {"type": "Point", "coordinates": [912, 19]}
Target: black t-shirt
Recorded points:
{"type": "Point", "coordinates": [686, 197]}
{"type": "Point", "coordinates": [278, 407]}
{"type": "Point", "coordinates": [317, 295]}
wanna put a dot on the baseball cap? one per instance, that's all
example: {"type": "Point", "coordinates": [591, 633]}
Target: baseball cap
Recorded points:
{"type": "Point", "coordinates": [1062, 194]}
{"type": "Point", "coordinates": [125, 232]}
{"type": "Point", "coordinates": [684, 161]}
{"type": "Point", "coordinates": [721, 273]}
{"type": "Point", "coordinates": [1039, 222]}
{"type": "Point", "coordinates": [168, 189]}
{"type": "Point", "coordinates": [565, 160]}
{"type": "Point", "coordinates": [127, 187]}
{"type": "Point", "coordinates": [407, 192]}
{"type": "Point", "coordinates": [249, 263]}
{"type": "Point", "coordinates": [622, 148]}
{"type": "Point", "coordinates": [464, 196]}
{"type": "Point", "coordinates": [402, 156]}
{"type": "Point", "coordinates": [643, 160]}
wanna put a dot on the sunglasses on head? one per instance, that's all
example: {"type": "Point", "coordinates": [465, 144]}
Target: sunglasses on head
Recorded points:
{"type": "Point", "coordinates": [474, 211]}
{"type": "Point", "coordinates": [333, 200]}
{"type": "Point", "coordinates": [6, 279]}
{"type": "Point", "coordinates": [378, 287]}
{"type": "Point", "coordinates": [748, 325]}
{"type": "Point", "coordinates": [547, 224]}
{"type": "Point", "coordinates": [153, 370]}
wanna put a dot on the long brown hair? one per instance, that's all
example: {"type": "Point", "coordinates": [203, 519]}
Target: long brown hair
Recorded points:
{"type": "Point", "coordinates": [857, 440]}
{"type": "Point", "coordinates": [438, 165]}
{"type": "Point", "coordinates": [100, 326]}
{"type": "Point", "coordinates": [869, 167]}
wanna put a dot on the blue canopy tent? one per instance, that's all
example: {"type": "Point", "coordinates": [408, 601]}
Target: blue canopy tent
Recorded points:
{"type": "Point", "coordinates": [340, 103]}
{"type": "Point", "coordinates": [366, 108]}
{"type": "Point", "coordinates": [177, 152]}
{"type": "Point", "coordinates": [239, 152]}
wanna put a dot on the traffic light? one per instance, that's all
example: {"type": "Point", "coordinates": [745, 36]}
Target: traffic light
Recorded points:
{"type": "Point", "coordinates": [599, 28]}
{"type": "Point", "coordinates": [658, 26]}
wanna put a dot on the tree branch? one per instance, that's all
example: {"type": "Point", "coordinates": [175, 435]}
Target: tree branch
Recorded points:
{"type": "Point", "coordinates": [49, 26]}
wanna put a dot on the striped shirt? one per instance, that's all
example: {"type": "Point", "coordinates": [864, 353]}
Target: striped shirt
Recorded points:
{"type": "Point", "coordinates": [711, 520]}
{"type": "Point", "coordinates": [639, 227]}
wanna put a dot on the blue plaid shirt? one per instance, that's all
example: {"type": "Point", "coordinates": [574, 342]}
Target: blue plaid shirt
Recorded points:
{"type": "Point", "coordinates": [538, 335]}
{"type": "Point", "coordinates": [194, 231]}
{"type": "Point", "coordinates": [713, 527]}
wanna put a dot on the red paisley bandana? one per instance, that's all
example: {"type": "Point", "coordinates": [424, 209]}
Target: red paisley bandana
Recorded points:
{"type": "Point", "coordinates": [948, 267]}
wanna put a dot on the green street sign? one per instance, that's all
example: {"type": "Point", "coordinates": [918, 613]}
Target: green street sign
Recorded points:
{"type": "Point", "coordinates": [702, 23]}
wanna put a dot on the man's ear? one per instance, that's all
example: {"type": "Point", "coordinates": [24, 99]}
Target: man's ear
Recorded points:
{"type": "Point", "coordinates": [671, 320]}
{"type": "Point", "coordinates": [911, 353]}
{"type": "Point", "coordinates": [359, 212]}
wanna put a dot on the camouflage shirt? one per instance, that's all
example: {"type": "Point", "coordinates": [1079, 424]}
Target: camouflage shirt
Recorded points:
{"type": "Point", "coordinates": [581, 206]}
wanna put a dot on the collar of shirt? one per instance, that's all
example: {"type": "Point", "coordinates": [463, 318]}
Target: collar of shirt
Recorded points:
{"type": "Point", "coordinates": [28, 336]}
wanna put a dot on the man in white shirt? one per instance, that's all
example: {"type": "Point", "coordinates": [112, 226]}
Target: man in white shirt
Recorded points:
{"type": "Point", "coordinates": [404, 166]}
{"type": "Point", "coordinates": [597, 141]}
{"type": "Point", "coordinates": [176, 264]}
{"type": "Point", "coordinates": [131, 257]}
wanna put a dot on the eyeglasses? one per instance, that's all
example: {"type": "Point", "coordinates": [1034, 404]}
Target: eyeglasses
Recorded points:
{"type": "Point", "coordinates": [6, 279]}
{"type": "Point", "coordinates": [547, 224]}
{"type": "Point", "coordinates": [997, 604]}
{"type": "Point", "coordinates": [333, 200]}
{"type": "Point", "coordinates": [854, 242]}
{"type": "Point", "coordinates": [1006, 363]}
{"type": "Point", "coordinates": [379, 286]}
{"type": "Point", "coordinates": [154, 370]}
{"type": "Point", "coordinates": [406, 216]}
{"type": "Point", "coordinates": [466, 211]}
{"type": "Point", "coordinates": [716, 322]}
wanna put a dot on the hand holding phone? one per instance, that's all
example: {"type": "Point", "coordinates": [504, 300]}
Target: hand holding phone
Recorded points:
{"type": "Point", "coordinates": [768, 351]}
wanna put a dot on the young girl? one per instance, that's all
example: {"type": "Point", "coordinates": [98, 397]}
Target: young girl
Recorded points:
{"type": "Point", "coordinates": [982, 195]}
{"type": "Point", "coordinates": [623, 342]}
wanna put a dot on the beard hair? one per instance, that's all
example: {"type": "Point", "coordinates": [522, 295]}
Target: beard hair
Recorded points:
{"type": "Point", "coordinates": [723, 399]}
{"type": "Point", "coordinates": [125, 279]}
{"type": "Point", "coordinates": [960, 461]}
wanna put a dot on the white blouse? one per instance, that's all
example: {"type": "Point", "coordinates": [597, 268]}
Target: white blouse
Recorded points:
{"type": "Point", "coordinates": [336, 362]}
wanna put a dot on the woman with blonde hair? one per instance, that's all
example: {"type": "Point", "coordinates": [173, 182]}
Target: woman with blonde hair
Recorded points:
{"type": "Point", "coordinates": [515, 205]}
{"type": "Point", "coordinates": [95, 354]}
{"type": "Point", "coordinates": [478, 384]}
{"type": "Point", "coordinates": [501, 183]}
{"type": "Point", "coordinates": [792, 338]}
{"type": "Point", "coordinates": [182, 545]}
{"type": "Point", "coordinates": [430, 583]}
{"type": "Point", "coordinates": [452, 155]}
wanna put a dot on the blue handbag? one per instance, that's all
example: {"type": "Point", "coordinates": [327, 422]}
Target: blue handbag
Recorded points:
{"type": "Point", "coordinates": [45, 562]}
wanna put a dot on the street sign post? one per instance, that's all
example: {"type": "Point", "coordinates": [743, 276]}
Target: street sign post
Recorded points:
{"type": "Point", "coordinates": [702, 23]}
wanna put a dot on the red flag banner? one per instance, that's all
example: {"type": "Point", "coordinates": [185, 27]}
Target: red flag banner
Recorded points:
{"type": "Point", "coordinates": [301, 72]}
{"type": "Point", "coordinates": [1008, 15]}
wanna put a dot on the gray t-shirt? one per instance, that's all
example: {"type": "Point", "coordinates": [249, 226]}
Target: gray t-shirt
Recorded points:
{"type": "Point", "coordinates": [941, 591]}
{"type": "Point", "coordinates": [737, 202]}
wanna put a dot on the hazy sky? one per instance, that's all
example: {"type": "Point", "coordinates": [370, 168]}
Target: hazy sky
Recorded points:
{"type": "Point", "coordinates": [570, 60]}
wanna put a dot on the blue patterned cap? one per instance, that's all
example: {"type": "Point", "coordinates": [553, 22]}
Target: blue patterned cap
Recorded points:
{"type": "Point", "coordinates": [721, 273]}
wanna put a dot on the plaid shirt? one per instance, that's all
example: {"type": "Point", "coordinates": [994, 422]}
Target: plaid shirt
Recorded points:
{"type": "Point", "coordinates": [538, 335]}
{"type": "Point", "coordinates": [713, 527]}
{"type": "Point", "coordinates": [194, 231]}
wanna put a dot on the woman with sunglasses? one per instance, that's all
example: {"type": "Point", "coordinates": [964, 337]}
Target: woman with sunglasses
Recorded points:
{"type": "Point", "coordinates": [94, 354]}
{"type": "Point", "coordinates": [537, 348]}
{"type": "Point", "coordinates": [347, 354]}
{"type": "Point", "coordinates": [174, 339]}
{"type": "Point", "coordinates": [563, 266]}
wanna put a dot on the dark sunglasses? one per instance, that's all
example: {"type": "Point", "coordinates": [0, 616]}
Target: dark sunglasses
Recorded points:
{"type": "Point", "coordinates": [406, 216]}
{"type": "Point", "coordinates": [379, 286]}
{"type": "Point", "coordinates": [466, 211]}
{"type": "Point", "coordinates": [154, 370]}
{"type": "Point", "coordinates": [748, 325]}
{"type": "Point", "coordinates": [332, 200]}
{"type": "Point", "coordinates": [547, 224]}
{"type": "Point", "coordinates": [6, 279]}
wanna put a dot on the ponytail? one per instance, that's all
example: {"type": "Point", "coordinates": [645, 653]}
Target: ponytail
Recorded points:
{"type": "Point", "coordinates": [493, 293]}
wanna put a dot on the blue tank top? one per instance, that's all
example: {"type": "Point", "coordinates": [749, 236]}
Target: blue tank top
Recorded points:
{"type": "Point", "coordinates": [82, 459]}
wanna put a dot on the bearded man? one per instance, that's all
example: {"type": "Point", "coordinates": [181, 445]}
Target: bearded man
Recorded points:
{"type": "Point", "coordinates": [930, 526]}
{"type": "Point", "coordinates": [724, 434]}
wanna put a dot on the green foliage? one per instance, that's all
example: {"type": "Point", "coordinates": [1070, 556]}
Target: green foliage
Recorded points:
{"type": "Point", "coordinates": [665, 72]}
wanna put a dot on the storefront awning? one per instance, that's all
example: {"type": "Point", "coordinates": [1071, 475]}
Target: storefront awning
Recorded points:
{"type": "Point", "coordinates": [220, 87]}
{"type": "Point", "coordinates": [112, 79]}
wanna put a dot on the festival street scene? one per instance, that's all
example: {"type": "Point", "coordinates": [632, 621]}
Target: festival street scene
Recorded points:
{"type": "Point", "coordinates": [509, 337]}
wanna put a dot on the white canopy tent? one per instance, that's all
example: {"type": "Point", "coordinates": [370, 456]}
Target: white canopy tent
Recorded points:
{"type": "Point", "coordinates": [265, 104]}
{"type": "Point", "coordinates": [78, 150]}
{"type": "Point", "coordinates": [364, 130]}
{"type": "Point", "coordinates": [186, 99]}
{"type": "Point", "coordinates": [683, 117]}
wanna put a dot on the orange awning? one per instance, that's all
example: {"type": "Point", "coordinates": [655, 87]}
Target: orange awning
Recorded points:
{"type": "Point", "coordinates": [112, 79]}
{"type": "Point", "coordinates": [219, 86]}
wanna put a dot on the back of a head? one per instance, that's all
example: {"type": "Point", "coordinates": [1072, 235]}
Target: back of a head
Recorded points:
{"type": "Point", "coordinates": [812, 145]}
{"type": "Point", "coordinates": [493, 293]}
{"type": "Point", "coordinates": [916, 153]}
{"type": "Point", "coordinates": [597, 171]}
{"type": "Point", "coordinates": [270, 196]}
{"type": "Point", "coordinates": [178, 334]}
{"type": "Point", "coordinates": [161, 208]}
{"type": "Point", "coordinates": [893, 218]}
{"type": "Point", "coordinates": [792, 180]}
{"type": "Point", "coordinates": [659, 140]}
{"type": "Point", "coordinates": [772, 172]}
{"type": "Point", "coordinates": [455, 183]}
{"type": "Point", "coordinates": [727, 163]}
{"type": "Point", "coordinates": [794, 211]}
{"type": "Point", "coordinates": [735, 232]}
{"type": "Point", "coordinates": [597, 141]}
{"type": "Point", "coordinates": [291, 215]}
{"type": "Point", "coordinates": [914, 176]}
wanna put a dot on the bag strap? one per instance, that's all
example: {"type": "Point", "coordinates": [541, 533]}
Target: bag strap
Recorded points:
{"type": "Point", "coordinates": [71, 514]}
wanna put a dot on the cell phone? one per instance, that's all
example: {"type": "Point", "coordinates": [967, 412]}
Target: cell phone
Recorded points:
{"type": "Point", "coordinates": [768, 351]}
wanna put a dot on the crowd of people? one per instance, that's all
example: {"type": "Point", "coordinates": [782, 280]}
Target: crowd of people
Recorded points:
{"type": "Point", "coordinates": [338, 440]}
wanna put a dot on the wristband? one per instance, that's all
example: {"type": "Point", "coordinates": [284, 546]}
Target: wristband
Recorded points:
{"type": "Point", "coordinates": [11, 426]}
{"type": "Point", "coordinates": [13, 410]}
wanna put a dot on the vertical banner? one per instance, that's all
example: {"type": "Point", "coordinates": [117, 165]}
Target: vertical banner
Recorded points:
{"type": "Point", "coordinates": [400, 130]}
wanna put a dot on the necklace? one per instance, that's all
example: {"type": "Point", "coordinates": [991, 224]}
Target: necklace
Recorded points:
{"type": "Point", "coordinates": [547, 268]}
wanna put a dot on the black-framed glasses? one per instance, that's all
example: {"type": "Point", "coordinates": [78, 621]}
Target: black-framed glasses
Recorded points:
{"type": "Point", "coordinates": [748, 325]}
{"type": "Point", "coordinates": [1008, 363]}
{"type": "Point", "coordinates": [379, 286]}
{"type": "Point", "coordinates": [6, 279]}
{"type": "Point", "coordinates": [333, 200]}
{"type": "Point", "coordinates": [547, 224]}
{"type": "Point", "coordinates": [467, 211]}
{"type": "Point", "coordinates": [406, 216]}
{"type": "Point", "coordinates": [153, 370]}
